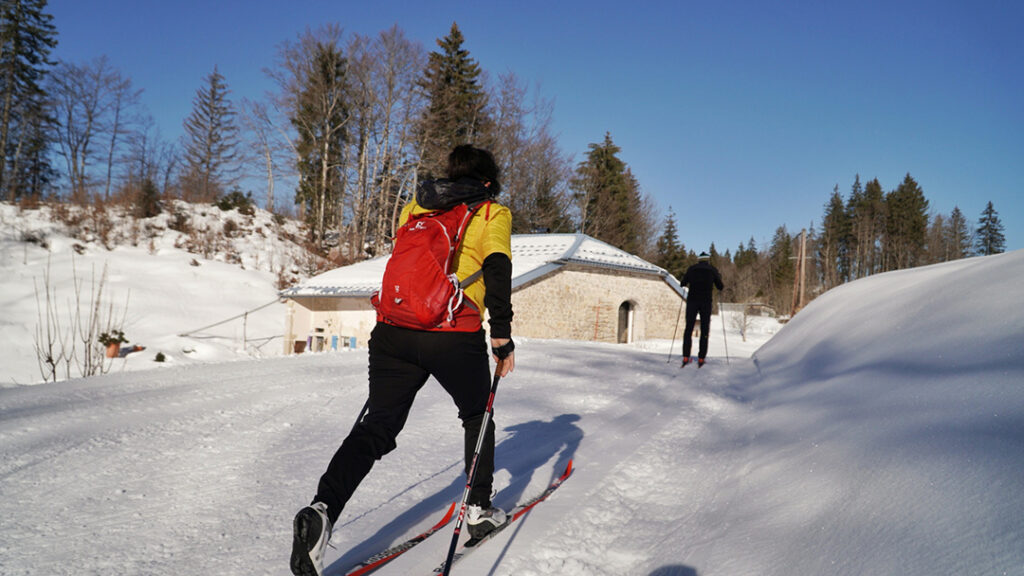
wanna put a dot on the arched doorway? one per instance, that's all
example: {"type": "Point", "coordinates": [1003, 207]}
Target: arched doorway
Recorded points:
{"type": "Point", "coordinates": [627, 313]}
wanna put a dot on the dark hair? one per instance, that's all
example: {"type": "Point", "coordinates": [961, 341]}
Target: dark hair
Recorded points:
{"type": "Point", "coordinates": [469, 161]}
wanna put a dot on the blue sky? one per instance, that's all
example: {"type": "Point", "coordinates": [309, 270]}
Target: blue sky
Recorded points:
{"type": "Point", "coordinates": [740, 116]}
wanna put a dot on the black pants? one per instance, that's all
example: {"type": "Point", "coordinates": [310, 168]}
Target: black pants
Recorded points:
{"type": "Point", "coordinates": [692, 310]}
{"type": "Point", "coordinates": [401, 360]}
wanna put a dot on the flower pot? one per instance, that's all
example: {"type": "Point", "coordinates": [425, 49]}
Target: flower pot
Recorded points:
{"type": "Point", "coordinates": [113, 349]}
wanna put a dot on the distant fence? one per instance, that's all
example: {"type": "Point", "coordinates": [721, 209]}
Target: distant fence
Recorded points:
{"type": "Point", "coordinates": [245, 324]}
{"type": "Point", "coordinates": [748, 308]}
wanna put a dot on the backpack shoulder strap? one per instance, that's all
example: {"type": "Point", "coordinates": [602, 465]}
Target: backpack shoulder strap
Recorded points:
{"type": "Point", "coordinates": [472, 208]}
{"type": "Point", "coordinates": [471, 278]}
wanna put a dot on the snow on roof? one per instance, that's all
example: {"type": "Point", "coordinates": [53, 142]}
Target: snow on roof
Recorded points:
{"type": "Point", "coordinates": [533, 256]}
{"type": "Point", "coordinates": [359, 279]}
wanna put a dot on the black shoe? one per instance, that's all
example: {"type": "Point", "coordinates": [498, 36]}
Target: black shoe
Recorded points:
{"type": "Point", "coordinates": [700, 362]}
{"type": "Point", "coordinates": [686, 360]}
{"type": "Point", "coordinates": [312, 531]}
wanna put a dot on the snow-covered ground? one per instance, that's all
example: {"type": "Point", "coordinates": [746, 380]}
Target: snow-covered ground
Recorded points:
{"type": "Point", "coordinates": [880, 432]}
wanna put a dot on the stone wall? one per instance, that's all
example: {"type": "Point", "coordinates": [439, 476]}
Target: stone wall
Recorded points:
{"type": "Point", "coordinates": [583, 303]}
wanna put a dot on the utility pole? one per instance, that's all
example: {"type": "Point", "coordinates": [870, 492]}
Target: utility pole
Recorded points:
{"type": "Point", "coordinates": [799, 283]}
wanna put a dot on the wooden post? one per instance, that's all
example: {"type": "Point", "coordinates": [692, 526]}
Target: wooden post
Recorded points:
{"type": "Point", "coordinates": [798, 280]}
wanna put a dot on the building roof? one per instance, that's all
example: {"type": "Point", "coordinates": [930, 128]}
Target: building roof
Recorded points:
{"type": "Point", "coordinates": [533, 256]}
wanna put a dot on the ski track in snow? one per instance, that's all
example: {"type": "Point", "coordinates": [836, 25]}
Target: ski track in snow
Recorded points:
{"type": "Point", "coordinates": [636, 489]}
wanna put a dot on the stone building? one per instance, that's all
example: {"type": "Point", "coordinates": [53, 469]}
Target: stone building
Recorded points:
{"type": "Point", "coordinates": [565, 286]}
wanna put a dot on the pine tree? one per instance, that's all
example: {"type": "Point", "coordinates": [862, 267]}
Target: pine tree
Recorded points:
{"type": "Point", "coordinates": [866, 212]}
{"type": "Point", "coordinates": [715, 256]}
{"type": "Point", "coordinates": [456, 109]}
{"type": "Point", "coordinates": [610, 205]}
{"type": "Point", "coordinates": [746, 255]}
{"type": "Point", "coordinates": [783, 270]}
{"type": "Point", "coordinates": [989, 238]}
{"type": "Point", "coordinates": [959, 237]}
{"type": "Point", "coordinates": [27, 36]}
{"type": "Point", "coordinates": [833, 247]}
{"type": "Point", "coordinates": [744, 285]}
{"type": "Point", "coordinates": [313, 78]}
{"type": "Point", "coordinates": [906, 225]}
{"type": "Point", "coordinates": [548, 212]}
{"type": "Point", "coordinates": [31, 174]}
{"type": "Point", "coordinates": [937, 246]}
{"type": "Point", "coordinates": [211, 141]}
{"type": "Point", "coordinates": [670, 254]}
{"type": "Point", "coordinates": [147, 203]}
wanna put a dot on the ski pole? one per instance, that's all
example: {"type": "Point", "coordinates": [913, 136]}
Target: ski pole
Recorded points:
{"type": "Point", "coordinates": [674, 330]}
{"type": "Point", "coordinates": [471, 473]}
{"type": "Point", "coordinates": [721, 313]}
{"type": "Point", "coordinates": [366, 406]}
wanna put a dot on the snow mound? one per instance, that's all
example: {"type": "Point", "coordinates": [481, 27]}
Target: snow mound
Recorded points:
{"type": "Point", "coordinates": [890, 414]}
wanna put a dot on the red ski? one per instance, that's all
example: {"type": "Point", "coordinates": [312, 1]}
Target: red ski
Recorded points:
{"type": "Point", "coordinates": [381, 558]}
{"type": "Point", "coordinates": [513, 515]}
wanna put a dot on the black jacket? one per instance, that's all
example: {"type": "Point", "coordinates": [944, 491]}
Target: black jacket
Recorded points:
{"type": "Point", "coordinates": [701, 278]}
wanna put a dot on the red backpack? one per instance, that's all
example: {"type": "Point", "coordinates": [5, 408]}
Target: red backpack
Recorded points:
{"type": "Point", "coordinates": [420, 289]}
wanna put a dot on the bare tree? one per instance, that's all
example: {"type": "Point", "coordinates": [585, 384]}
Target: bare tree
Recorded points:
{"type": "Point", "coordinates": [364, 110]}
{"type": "Point", "coordinates": [311, 79]}
{"type": "Point", "coordinates": [81, 97]}
{"type": "Point", "coordinates": [75, 346]}
{"type": "Point", "coordinates": [382, 76]}
{"type": "Point", "coordinates": [124, 101]}
{"type": "Point", "coordinates": [266, 141]}
{"type": "Point", "coordinates": [535, 173]}
{"type": "Point", "coordinates": [397, 162]}
{"type": "Point", "coordinates": [94, 107]}
{"type": "Point", "coordinates": [51, 338]}
{"type": "Point", "coordinates": [148, 158]}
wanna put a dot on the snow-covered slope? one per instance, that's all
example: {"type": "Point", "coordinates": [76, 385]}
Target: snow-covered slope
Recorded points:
{"type": "Point", "coordinates": [880, 432]}
{"type": "Point", "coordinates": [152, 278]}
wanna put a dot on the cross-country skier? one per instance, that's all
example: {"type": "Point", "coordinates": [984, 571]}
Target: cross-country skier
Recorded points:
{"type": "Point", "coordinates": [701, 278]}
{"type": "Point", "coordinates": [401, 359]}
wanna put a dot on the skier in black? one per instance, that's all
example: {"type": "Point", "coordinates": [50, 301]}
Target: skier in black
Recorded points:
{"type": "Point", "coordinates": [701, 278]}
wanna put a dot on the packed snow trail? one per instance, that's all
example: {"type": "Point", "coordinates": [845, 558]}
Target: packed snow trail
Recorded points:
{"type": "Point", "coordinates": [630, 435]}
{"type": "Point", "coordinates": [164, 471]}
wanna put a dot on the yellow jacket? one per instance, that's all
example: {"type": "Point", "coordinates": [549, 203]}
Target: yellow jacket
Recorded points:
{"type": "Point", "coordinates": [489, 231]}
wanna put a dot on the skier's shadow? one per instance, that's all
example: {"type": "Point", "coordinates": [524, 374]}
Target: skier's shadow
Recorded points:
{"type": "Point", "coordinates": [529, 447]}
{"type": "Point", "coordinates": [675, 570]}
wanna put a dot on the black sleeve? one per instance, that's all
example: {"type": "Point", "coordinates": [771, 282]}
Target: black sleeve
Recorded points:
{"type": "Point", "coordinates": [718, 280]}
{"type": "Point", "coordinates": [498, 296]}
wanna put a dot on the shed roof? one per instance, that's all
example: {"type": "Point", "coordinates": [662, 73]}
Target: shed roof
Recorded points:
{"type": "Point", "coordinates": [533, 256]}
